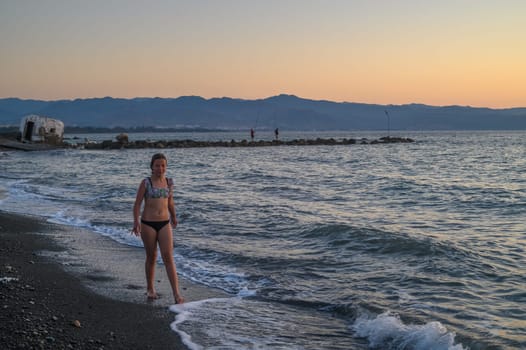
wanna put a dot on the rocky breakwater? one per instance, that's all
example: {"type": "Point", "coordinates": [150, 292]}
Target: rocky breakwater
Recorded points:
{"type": "Point", "coordinates": [122, 142]}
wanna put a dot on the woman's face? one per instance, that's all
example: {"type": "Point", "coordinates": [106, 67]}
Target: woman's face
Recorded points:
{"type": "Point", "coordinates": [159, 167]}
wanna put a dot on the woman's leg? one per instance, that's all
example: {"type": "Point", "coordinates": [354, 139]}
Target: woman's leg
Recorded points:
{"type": "Point", "coordinates": [166, 247]}
{"type": "Point", "coordinates": [149, 239]}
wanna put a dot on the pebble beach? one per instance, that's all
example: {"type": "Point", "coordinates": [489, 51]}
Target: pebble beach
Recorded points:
{"type": "Point", "coordinates": [45, 307]}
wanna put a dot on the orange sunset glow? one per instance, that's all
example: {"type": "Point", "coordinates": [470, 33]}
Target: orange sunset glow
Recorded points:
{"type": "Point", "coordinates": [386, 52]}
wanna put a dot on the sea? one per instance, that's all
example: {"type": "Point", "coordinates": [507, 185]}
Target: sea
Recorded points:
{"type": "Point", "coordinates": [367, 246]}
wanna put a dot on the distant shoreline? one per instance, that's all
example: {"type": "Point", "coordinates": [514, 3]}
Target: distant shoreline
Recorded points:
{"type": "Point", "coordinates": [286, 112]}
{"type": "Point", "coordinates": [102, 130]}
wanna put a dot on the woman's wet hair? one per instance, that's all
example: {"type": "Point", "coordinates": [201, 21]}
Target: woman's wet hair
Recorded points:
{"type": "Point", "coordinates": [157, 156]}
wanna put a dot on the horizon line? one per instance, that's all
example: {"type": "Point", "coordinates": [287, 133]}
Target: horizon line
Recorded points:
{"type": "Point", "coordinates": [259, 99]}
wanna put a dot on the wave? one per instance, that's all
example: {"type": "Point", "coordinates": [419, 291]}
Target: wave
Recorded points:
{"type": "Point", "coordinates": [324, 257]}
{"type": "Point", "coordinates": [246, 323]}
{"type": "Point", "coordinates": [382, 242]}
{"type": "Point", "coordinates": [388, 331]}
{"type": "Point", "coordinates": [116, 233]}
{"type": "Point", "coordinates": [184, 313]}
{"type": "Point", "coordinates": [384, 331]}
{"type": "Point", "coordinates": [24, 190]}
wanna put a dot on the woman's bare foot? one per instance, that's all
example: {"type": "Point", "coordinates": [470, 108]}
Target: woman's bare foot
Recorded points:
{"type": "Point", "coordinates": [179, 299]}
{"type": "Point", "coordinates": [152, 295]}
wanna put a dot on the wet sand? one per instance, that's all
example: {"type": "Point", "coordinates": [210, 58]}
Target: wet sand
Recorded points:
{"type": "Point", "coordinates": [53, 297]}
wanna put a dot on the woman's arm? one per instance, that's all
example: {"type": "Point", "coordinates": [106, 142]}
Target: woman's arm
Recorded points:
{"type": "Point", "coordinates": [171, 205]}
{"type": "Point", "coordinates": [137, 209]}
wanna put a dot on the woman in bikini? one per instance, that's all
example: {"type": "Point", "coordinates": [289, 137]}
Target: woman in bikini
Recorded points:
{"type": "Point", "coordinates": [154, 224]}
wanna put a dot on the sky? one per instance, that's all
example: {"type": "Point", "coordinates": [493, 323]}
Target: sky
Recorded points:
{"type": "Point", "coordinates": [444, 52]}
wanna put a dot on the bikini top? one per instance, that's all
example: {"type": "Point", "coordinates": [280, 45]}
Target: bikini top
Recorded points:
{"type": "Point", "coordinates": [158, 192]}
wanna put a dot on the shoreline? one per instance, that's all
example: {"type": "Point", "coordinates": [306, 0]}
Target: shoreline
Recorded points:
{"type": "Point", "coordinates": [52, 298]}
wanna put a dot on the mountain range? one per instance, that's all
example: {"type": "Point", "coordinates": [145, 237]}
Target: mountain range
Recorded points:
{"type": "Point", "coordinates": [287, 112]}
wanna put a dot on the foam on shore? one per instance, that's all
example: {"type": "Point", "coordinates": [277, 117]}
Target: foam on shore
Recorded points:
{"type": "Point", "coordinates": [116, 270]}
{"type": "Point", "coordinates": [388, 330]}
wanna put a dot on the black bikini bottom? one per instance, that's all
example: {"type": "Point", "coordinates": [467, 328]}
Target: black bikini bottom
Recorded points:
{"type": "Point", "coordinates": [156, 225]}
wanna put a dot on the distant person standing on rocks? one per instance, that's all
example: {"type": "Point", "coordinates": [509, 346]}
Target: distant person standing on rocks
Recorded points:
{"type": "Point", "coordinates": [156, 223]}
{"type": "Point", "coordinates": [276, 133]}
{"type": "Point", "coordinates": [252, 134]}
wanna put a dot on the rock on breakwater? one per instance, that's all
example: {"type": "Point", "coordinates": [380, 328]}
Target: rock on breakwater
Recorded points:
{"type": "Point", "coordinates": [109, 144]}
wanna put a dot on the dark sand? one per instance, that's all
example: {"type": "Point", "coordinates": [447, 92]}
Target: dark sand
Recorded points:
{"type": "Point", "coordinates": [45, 307]}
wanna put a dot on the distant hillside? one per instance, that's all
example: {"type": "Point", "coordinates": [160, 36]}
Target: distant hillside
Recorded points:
{"type": "Point", "coordinates": [284, 111]}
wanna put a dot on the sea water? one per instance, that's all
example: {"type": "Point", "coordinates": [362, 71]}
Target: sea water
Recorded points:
{"type": "Point", "coordinates": [388, 246]}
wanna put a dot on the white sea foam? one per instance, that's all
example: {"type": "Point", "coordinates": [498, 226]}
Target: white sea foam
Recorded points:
{"type": "Point", "coordinates": [248, 323]}
{"type": "Point", "coordinates": [226, 335]}
{"type": "Point", "coordinates": [16, 190]}
{"type": "Point", "coordinates": [118, 234]}
{"type": "Point", "coordinates": [387, 331]}
{"type": "Point", "coordinates": [8, 279]}
{"type": "Point", "coordinates": [62, 218]}
{"type": "Point", "coordinates": [23, 189]}
{"type": "Point", "coordinates": [184, 313]}
{"type": "Point", "coordinates": [214, 275]}
{"type": "Point", "coordinates": [245, 292]}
